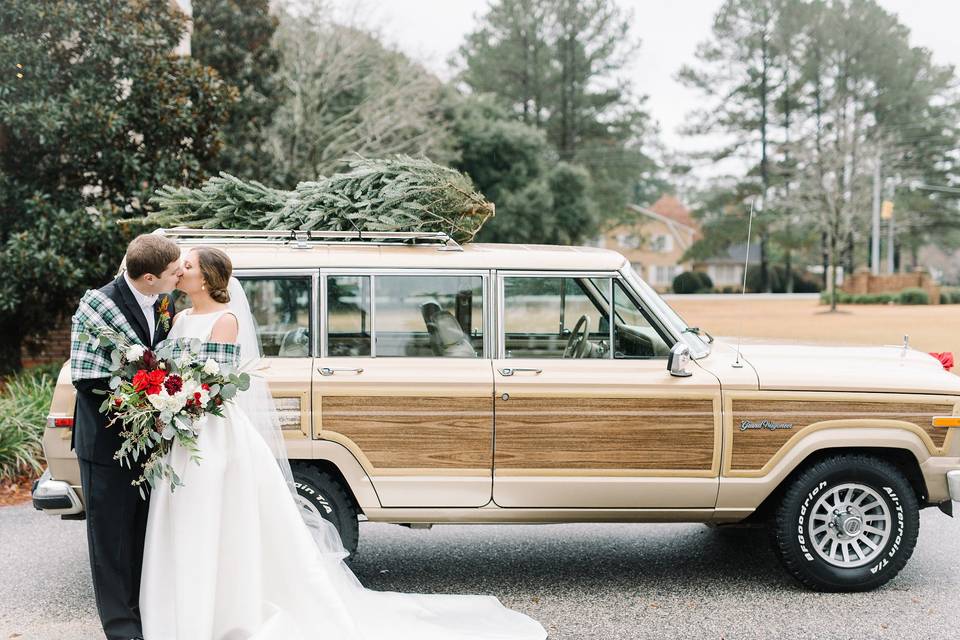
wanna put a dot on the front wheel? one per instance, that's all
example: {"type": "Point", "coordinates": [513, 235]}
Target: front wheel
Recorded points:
{"type": "Point", "coordinates": [847, 523]}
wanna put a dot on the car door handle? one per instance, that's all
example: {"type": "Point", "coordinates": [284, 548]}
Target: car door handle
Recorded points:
{"type": "Point", "coordinates": [508, 371]}
{"type": "Point", "coordinates": [329, 371]}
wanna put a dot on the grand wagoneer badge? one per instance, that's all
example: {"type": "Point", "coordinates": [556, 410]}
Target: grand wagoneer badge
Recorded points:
{"type": "Point", "coordinates": [764, 424]}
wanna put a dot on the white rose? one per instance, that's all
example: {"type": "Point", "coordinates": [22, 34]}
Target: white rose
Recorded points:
{"type": "Point", "coordinates": [135, 352]}
{"type": "Point", "coordinates": [211, 367]}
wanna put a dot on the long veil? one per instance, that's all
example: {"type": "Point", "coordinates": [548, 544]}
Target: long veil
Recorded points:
{"type": "Point", "coordinates": [322, 594]}
{"type": "Point", "coordinates": [258, 403]}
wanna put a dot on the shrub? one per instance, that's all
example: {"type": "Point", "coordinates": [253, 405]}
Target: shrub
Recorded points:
{"type": "Point", "coordinates": [842, 297]}
{"type": "Point", "coordinates": [913, 296]}
{"type": "Point", "coordinates": [950, 296]}
{"type": "Point", "coordinates": [24, 403]}
{"type": "Point", "coordinates": [778, 280]}
{"type": "Point", "coordinates": [687, 282]}
{"type": "Point", "coordinates": [706, 284]}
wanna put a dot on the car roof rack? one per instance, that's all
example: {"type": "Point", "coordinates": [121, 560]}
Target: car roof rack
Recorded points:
{"type": "Point", "coordinates": [305, 239]}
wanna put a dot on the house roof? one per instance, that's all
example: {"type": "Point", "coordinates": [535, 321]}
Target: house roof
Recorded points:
{"type": "Point", "coordinates": [669, 207]}
{"type": "Point", "coordinates": [735, 254]}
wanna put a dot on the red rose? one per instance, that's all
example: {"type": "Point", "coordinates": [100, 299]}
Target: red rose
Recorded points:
{"type": "Point", "coordinates": [141, 380]}
{"type": "Point", "coordinates": [117, 402]}
{"type": "Point", "coordinates": [173, 384]}
{"type": "Point", "coordinates": [154, 381]}
{"type": "Point", "coordinates": [205, 386]}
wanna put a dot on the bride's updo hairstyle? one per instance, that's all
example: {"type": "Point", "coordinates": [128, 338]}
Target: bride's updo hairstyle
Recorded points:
{"type": "Point", "coordinates": [216, 268]}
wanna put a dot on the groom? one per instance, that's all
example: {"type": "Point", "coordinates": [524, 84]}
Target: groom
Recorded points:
{"type": "Point", "coordinates": [116, 514]}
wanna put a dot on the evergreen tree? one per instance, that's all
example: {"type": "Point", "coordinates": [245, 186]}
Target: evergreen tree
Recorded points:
{"type": "Point", "coordinates": [556, 64]}
{"type": "Point", "coordinates": [96, 113]}
{"type": "Point", "coordinates": [234, 37]}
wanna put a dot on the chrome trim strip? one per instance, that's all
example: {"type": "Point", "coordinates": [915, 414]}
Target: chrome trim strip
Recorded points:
{"type": "Point", "coordinates": [611, 315]}
{"type": "Point", "coordinates": [373, 315]}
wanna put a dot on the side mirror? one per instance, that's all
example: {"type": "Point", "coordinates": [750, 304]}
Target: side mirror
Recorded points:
{"type": "Point", "coordinates": [679, 360]}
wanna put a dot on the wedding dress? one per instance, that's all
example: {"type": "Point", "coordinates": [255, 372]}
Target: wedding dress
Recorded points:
{"type": "Point", "coordinates": [228, 556]}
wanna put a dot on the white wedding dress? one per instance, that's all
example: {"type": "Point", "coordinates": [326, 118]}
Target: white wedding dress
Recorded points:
{"type": "Point", "coordinates": [228, 556]}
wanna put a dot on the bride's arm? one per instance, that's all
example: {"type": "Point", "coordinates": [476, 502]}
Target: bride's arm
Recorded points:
{"type": "Point", "coordinates": [225, 329]}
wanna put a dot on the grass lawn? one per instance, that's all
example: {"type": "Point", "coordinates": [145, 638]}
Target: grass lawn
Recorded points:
{"type": "Point", "coordinates": [930, 327]}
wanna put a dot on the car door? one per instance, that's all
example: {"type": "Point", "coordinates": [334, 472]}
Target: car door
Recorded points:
{"type": "Point", "coordinates": [405, 384]}
{"type": "Point", "coordinates": [586, 413]}
{"type": "Point", "coordinates": [282, 303]}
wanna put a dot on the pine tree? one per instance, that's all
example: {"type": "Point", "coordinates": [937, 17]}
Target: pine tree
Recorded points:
{"type": "Point", "coordinates": [376, 194]}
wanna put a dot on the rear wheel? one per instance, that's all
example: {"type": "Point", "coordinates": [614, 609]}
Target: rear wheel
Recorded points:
{"type": "Point", "coordinates": [321, 493]}
{"type": "Point", "coordinates": [847, 523]}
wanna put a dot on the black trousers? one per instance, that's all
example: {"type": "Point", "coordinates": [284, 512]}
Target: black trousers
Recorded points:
{"type": "Point", "coordinates": [116, 526]}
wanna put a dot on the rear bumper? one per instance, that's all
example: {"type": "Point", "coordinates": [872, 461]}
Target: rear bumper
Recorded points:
{"type": "Point", "coordinates": [55, 496]}
{"type": "Point", "coordinates": [953, 485]}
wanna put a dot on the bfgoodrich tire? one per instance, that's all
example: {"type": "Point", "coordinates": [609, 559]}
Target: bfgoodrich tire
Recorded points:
{"type": "Point", "coordinates": [847, 523]}
{"type": "Point", "coordinates": [323, 493]}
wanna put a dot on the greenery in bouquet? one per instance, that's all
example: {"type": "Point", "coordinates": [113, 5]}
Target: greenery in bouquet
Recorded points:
{"type": "Point", "coordinates": [161, 398]}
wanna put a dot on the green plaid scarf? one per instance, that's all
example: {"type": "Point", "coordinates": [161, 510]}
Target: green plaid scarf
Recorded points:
{"type": "Point", "coordinates": [89, 359]}
{"type": "Point", "coordinates": [222, 352]}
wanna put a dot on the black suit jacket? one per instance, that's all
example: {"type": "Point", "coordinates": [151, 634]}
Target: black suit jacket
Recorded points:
{"type": "Point", "coordinates": [92, 439]}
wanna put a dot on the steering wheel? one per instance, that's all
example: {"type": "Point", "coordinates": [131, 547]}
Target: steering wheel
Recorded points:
{"type": "Point", "coordinates": [577, 342]}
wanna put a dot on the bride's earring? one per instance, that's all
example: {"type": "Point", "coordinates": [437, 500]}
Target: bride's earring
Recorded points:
{"type": "Point", "coordinates": [203, 287]}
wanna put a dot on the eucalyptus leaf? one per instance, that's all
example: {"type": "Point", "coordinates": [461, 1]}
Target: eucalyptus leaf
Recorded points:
{"type": "Point", "coordinates": [229, 391]}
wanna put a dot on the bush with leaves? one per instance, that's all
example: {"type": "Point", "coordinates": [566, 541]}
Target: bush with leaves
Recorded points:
{"type": "Point", "coordinates": [913, 296]}
{"type": "Point", "coordinates": [94, 112]}
{"type": "Point", "coordinates": [24, 402]}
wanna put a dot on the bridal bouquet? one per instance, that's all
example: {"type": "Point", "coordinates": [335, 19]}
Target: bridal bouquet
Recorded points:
{"type": "Point", "coordinates": [162, 397]}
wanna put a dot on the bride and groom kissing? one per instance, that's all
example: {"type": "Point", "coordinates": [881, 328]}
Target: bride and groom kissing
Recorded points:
{"type": "Point", "coordinates": [229, 555]}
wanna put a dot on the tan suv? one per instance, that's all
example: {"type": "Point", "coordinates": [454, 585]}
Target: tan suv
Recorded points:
{"type": "Point", "coordinates": [421, 382]}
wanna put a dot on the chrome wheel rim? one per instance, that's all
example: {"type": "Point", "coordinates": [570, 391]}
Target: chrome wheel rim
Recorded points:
{"type": "Point", "coordinates": [850, 525]}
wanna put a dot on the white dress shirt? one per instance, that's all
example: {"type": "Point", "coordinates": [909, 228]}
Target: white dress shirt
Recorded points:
{"type": "Point", "coordinates": [146, 304]}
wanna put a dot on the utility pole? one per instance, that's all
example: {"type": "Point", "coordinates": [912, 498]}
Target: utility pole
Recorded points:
{"type": "Point", "coordinates": [891, 227]}
{"type": "Point", "coordinates": [875, 238]}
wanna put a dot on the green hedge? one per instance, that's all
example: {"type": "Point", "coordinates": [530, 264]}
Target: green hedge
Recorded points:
{"type": "Point", "coordinates": [24, 404]}
{"type": "Point", "coordinates": [913, 296]}
{"type": "Point", "coordinates": [949, 296]}
{"type": "Point", "coordinates": [907, 296]}
{"type": "Point", "coordinates": [866, 298]}
{"type": "Point", "coordinates": [692, 282]}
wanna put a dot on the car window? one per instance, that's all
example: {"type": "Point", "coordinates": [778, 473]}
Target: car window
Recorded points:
{"type": "Point", "coordinates": [556, 317]}
{"type": "Point", "coordinates": [428, 316]}
{"type": "Point", "coordinates": [348, 316]}
{"type": "Point", "coordinates": [281, 309]}
{"type": "Point", "coordinates": [634, 336]}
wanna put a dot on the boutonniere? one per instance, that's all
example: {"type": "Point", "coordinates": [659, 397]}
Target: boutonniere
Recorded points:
{"type": "Point", "coordinates": [164, 312]}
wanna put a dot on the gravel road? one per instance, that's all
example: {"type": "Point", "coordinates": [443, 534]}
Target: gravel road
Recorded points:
{"type": "Point", "coordinates": [607, 581]}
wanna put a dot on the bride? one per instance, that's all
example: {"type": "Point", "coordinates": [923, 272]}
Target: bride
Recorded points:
{"type": "Point", "coordinates": [231, 556]}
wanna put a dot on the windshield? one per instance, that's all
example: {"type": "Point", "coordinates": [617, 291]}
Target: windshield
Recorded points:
{"type": "Point", "coordinates": [699, 347]}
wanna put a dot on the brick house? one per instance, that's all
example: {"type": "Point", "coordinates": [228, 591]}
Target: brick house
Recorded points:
{"type": "Point", "coordinates": [654, 240]}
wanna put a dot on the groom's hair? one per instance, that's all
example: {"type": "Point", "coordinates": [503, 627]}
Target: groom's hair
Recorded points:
{"type": "Point", "coordinates": [150, 253]}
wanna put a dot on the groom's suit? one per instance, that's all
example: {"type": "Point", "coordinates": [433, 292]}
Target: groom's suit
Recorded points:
{"type": "Point", "coordinates": [116, 514]}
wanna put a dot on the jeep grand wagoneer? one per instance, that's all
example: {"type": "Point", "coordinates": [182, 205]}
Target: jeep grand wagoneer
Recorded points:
{"type": "Point", "coordinates": [421, 382]}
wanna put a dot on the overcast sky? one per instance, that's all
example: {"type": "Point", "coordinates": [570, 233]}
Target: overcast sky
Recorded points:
{"type": "Point", "coordinates": [431, 30]}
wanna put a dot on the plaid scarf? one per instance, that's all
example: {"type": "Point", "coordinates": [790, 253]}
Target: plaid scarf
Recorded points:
{"type": "Point", "coordinates": [222, 352]}
{"type": "Point", "coordinates": [88, 359]}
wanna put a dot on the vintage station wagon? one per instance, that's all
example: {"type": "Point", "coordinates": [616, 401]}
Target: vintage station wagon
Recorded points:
{"type": "Point", "coordinates": [422, 382]}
